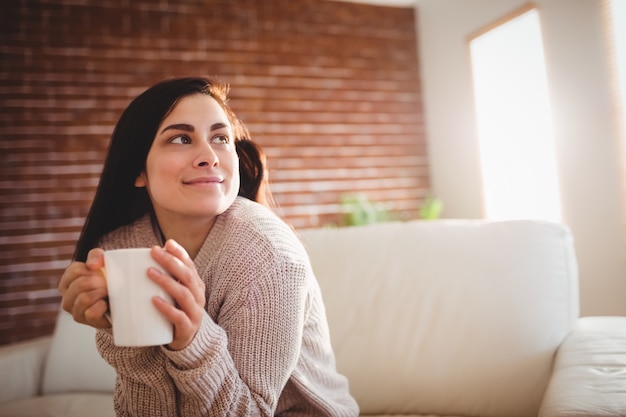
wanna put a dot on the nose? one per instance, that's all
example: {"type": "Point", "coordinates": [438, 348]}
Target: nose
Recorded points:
{"type": "Point", "coordinates": [206, 158]}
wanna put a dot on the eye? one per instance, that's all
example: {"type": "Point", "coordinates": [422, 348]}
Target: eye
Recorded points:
{"type": "Point", "coordinates": [181, 139]}
{"type": "Point", "coordinates": [223, 139]}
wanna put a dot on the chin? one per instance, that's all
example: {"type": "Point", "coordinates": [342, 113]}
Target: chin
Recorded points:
{"type": "Point", "coordinates": [216, 208]}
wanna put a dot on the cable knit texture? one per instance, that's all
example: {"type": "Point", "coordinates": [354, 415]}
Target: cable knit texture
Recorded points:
{"type": "Point", "coordinates": [263, 347]}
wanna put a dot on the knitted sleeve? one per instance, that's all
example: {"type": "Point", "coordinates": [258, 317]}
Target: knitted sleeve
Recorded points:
{"type": "Point", "coordinates": [239, 364]}
{"type": "Point", "coordinates": [143, 386]}
{"type": "Point", "coordinates": [249, 341]}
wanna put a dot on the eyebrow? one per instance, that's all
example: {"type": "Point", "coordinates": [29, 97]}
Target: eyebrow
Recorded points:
{"type": "Point", "coordinates": [190, 128]}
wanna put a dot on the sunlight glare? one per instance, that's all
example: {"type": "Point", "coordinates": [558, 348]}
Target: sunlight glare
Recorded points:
{"type": "Point", "coordinates": [514, 122]}
{"type": "Point", "coordinates": [618, 26]}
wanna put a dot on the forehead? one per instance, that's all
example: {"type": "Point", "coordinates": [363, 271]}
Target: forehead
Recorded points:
{"type": "Point", "coordinates": [197, 108]}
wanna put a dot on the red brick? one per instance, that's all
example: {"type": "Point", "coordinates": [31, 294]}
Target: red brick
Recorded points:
{"type": "Point", "coordinates": [330, 89]}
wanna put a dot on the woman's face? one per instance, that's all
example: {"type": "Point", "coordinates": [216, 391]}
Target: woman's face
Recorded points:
{"type": "Point", "coordinates": [192, 168]}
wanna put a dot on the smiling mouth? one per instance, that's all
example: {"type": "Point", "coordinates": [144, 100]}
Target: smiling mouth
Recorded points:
{"type": "Point", "coordinates": [202, 181]}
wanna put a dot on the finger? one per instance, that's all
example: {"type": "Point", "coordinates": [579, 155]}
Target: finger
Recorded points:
{"type": "Point", "coordinates": [95, 315]}
{"type": "Point", "coordinates": [178, 251]}
{"type": "Point", "coordinates": [85, 299]}
{"type": "Point", "coordinates": [95, 259]}
{"type": "Point", "coordinates": [175, 265]}
{"type": "Point", "coordinates": [178, 317]}
{"type": "Point", "coordinates": [71, 273]}
{"type": "Point", "coordinates": [68, 286]}
{"type": "Point", "coordinates": [174, 248]}
{"type": "Point", "coordinates": [183, 296]}
{"type": "Point", "coordinates": [89, 305]}
{"type": "Point", "coordinates": [185, 326]}
{"type": "Point", "coordinates": [83, 292]}
{"type": "Point", "coordinates": [178, 288]}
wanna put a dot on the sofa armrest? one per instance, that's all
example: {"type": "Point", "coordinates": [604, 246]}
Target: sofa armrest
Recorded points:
{"type": "Point", "coordinates": [21, 367]}
{"type": "Point", "coordinates": [589, 376]}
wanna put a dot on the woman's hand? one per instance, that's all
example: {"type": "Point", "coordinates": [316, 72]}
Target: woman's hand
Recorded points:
{"type": "Point", "coordinates": [187, 290]}
{"type": "Point", "coordinates": [84, 290]}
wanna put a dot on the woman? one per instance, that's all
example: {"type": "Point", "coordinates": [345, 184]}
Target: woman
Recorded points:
{"type": "Point", "coordinates": [250, 332]}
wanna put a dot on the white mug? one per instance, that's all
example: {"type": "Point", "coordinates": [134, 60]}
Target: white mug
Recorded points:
{"type": "Point", "coordinates": [135, 319]}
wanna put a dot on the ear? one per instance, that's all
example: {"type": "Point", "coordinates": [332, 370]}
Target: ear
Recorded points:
{"type": "Point", "coordinates": [140, 181]}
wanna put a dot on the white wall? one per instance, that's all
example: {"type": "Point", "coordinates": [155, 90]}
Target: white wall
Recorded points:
{"type": "Point", "coordinates": [587, 138]}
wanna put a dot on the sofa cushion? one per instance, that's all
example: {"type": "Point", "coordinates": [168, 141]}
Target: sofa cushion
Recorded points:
{"type": "Point", "coordinates": [21, 367]}
{"type": "Point", "coordinates": [447, 317]}
{"type": "Point", "coordinates": [593, 353]}
{"type": "Point", "coordinates": [73, 363]}
{"type": "Point", "coordinates": [60, 405]}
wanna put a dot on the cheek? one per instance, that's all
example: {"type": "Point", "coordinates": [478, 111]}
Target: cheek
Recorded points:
{"type": "Point", "coordinates": [235, 169]}
{"type": "Point", "coordinates": [159, 173]}
{"type": "Point", "coordinates": [230, 162]}
{"type": "Point", "coordinates": [235, 163]}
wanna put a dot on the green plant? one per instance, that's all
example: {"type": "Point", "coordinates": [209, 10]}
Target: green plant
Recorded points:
{"type": "Point", "coordinates": [431, 208]}
{"type": "Point", "coordinates": [359, 210]}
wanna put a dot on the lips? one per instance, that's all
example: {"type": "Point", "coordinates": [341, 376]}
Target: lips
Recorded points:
{"type": "Point", "coordinates": [204, 180]}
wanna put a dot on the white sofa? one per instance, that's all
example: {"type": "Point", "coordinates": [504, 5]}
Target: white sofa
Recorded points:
{"type": "Point", "coordinates": [446, 318]}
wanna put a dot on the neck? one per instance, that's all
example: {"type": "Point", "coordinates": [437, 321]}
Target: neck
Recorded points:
{"type": "Point", "coordinates": [189, 233]}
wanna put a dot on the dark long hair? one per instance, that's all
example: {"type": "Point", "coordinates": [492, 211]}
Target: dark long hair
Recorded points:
{"type": "Point", "coordinates": [117, 201]}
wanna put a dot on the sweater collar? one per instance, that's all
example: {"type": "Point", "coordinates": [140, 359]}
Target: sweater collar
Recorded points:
{"type": "Point", "coordinates": [212, 242]}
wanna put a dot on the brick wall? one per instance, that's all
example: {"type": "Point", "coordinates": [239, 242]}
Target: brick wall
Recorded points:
{"type": "Point", "coordinates": [331, 90]}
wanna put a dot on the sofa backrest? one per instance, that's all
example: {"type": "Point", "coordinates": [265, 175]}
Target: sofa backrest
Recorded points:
{"type": "Point", "coordinates": [73, 363]}
{"type": "Point", "coordinates": [447, 317]}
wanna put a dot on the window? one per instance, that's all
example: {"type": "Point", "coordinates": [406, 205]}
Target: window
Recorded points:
{"type": "Point", "coordinates": [617, 40]}
{"type": "Point", "coordinates": [514, 122]}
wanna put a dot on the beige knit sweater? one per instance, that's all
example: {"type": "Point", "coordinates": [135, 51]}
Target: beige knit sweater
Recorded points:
{"type": "Point", "coordinates": [263, 347]}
